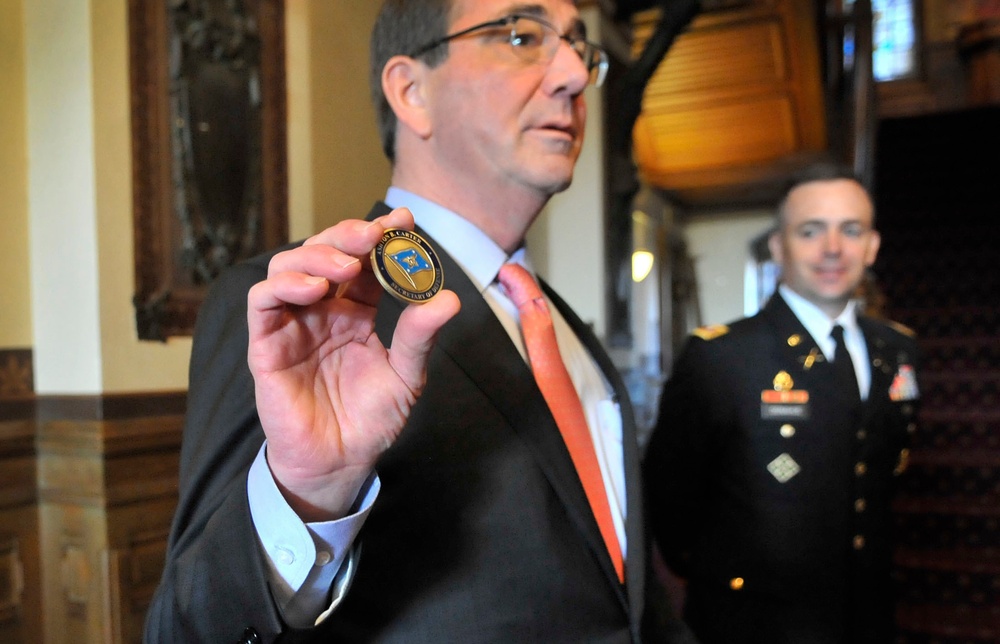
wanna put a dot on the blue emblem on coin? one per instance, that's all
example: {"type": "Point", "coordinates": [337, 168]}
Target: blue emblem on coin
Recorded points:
{"type": "Point", "coordinates": [407, 266]}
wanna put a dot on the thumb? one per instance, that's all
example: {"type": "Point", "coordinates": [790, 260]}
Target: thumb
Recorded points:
{"type": "Point", "coordinates": [415, 335]}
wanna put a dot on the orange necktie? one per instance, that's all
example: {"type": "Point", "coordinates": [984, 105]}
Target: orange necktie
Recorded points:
{"type": "Point", "coordinates": [560, 394]}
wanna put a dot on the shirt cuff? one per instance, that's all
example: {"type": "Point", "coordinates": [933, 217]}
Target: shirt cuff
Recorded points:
{"type": "Point", "coordinates": [304, 560]}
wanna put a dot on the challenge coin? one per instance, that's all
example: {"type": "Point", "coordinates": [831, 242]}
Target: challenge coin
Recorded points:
{"type": "Point", "coordinates": [407, 266]}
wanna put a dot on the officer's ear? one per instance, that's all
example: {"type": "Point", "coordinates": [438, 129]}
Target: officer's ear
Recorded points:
{"type": "Point", "coordinates": [775, 246]}
{"type": "Point", "coordinates": [874, 242]}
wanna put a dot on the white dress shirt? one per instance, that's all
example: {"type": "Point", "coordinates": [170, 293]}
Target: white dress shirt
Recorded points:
{"type": "Point", "coordinates": [819, 325]}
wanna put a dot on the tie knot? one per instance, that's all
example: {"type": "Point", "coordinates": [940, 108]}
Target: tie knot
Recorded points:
{"type": "Point", "coordinates": [837, 333]}
{"type": "Point", "coordinates": [520, 285]}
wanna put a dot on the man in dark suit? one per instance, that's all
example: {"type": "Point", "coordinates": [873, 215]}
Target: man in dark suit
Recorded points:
{"type": "Point", "coordinates": [391, 472]}
{"type": "Point", "coordinates": [770, 472]}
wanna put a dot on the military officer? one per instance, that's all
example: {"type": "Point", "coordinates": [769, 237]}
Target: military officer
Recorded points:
{"type": "Point", "coordinates": [772, 467]}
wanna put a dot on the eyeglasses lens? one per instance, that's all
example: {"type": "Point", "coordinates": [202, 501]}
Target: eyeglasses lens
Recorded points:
{"type": "Point", "coordinates": [536, 42]}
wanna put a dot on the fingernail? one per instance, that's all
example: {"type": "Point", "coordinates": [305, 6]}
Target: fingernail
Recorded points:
{"type": "Point", "coordinates": [314, 279]}
{"type": "Point", "coordinates": [351, 262]}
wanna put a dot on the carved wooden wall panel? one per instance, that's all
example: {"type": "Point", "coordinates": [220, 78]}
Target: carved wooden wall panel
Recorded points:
{"type": "Point", "coordinates": [107, 476]}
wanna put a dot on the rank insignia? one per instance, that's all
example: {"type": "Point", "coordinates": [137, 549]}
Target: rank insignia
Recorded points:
{"type": "Point", "coordinates": [904, 384]}
{"type": "Point", "coordinates": [902, 328]}
{"type": "Point", "coordinates": [811, 359]}
{"type": "Point", "coordinates": [711, 332]}
{"type": "Point", "coordinates": [783, 468]}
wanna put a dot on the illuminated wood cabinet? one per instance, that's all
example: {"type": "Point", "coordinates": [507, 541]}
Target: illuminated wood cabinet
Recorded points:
{"type": "Point", "coordinates": [735, 104]}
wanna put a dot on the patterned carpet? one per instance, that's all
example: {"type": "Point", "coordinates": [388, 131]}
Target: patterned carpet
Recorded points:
{"type": "Point", "coordinates": [938, 207]}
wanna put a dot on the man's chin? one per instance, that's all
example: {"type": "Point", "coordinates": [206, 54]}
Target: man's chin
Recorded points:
{"type": "Point", "coordinates": [555, 181]}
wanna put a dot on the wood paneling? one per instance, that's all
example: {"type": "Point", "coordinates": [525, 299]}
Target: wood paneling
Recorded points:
{"type": "Point", "coordinates": [107, 488]}
{"type": "Point", "coordinates": [979, 44]}
{"type": "Point", "coordinates": [736, 101]}
{"type": "Point", "coordinates": [20, 575]}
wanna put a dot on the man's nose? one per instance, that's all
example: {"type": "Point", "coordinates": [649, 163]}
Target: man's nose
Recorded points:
{"type": "Point", "coordinates": [567, 69]}
{"type": "Point", "coordinates": [832, 243]}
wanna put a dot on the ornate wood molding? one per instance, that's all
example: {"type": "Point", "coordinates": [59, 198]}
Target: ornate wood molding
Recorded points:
{"type": "Point", "coordinates": [16, 375]}
{"type": "Point", "coordinates": [209, 148]}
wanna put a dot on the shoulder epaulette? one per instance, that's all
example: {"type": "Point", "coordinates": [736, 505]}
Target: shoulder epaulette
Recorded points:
{"type": "Point", "coordinates": [711, 331]}
{"type": "Point", "coordinates": [902, 328]}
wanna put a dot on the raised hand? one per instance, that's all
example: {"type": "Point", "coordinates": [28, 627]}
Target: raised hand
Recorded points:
{"type": "Point", "coordinates": [331, 398]}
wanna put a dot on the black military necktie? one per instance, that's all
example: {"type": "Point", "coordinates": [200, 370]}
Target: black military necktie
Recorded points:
{"type": "Point", "coordinates": [843, 367]}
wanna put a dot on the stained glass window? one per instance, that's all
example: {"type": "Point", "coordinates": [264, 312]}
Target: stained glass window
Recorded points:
{"type": "Point", "coordinates": [894, 35]}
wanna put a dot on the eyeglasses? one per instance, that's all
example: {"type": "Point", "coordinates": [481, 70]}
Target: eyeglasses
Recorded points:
{"type": "Point", "coordinates": [534, 40]}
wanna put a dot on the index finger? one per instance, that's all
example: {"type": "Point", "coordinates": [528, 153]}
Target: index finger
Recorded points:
{"type": "Point", "coordinates": [357, 237]}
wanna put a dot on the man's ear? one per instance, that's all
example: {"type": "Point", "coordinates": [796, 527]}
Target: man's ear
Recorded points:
{"type": "Point", "coordinates": [403, 85]}
{"type": "Point", "coordinates": [874, 242]}
{"type": "Point", "coordinates": [774, 245]}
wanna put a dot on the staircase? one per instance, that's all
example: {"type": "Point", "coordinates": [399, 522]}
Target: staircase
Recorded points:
{"type": "Point", "coordinates": [937, 187]}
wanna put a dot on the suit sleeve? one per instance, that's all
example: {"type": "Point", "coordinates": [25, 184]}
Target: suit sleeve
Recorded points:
{"type": "Point", "coordinates": [677, 468]}
{"type": "Point", "coordinates": [214, 580]}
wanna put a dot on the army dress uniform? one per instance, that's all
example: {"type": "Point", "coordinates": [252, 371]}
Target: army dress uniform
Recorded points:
{"type": "Point", "coordinates": [769, 489]}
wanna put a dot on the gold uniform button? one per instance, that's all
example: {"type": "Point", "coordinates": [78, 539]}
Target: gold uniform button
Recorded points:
{"type": "Point", "coordinates": [912, 427]}
{"type": "Point", "coordinates": [860, 469]}
{"type": "Point", "coordinates": [860, 505]}
{"type": "Point", "coordinates": [862, 434]}
{"type": "Point", "coordinates": [787, 431]}
{"type": "Point", "coordinates": [859, 542]}
{"type": "Point", "coordinates": [736, 583]}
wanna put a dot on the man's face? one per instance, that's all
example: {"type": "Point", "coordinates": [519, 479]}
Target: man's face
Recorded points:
{"type": "Point", "coordinates": [498, 121]}
{"type": "Point", "coordinates": [826, 242]}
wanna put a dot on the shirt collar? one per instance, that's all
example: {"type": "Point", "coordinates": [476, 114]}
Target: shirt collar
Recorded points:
{"type": "Point", "coordinates": [816, 322]}
{"type": "Point", "coordinates": [478, 255]}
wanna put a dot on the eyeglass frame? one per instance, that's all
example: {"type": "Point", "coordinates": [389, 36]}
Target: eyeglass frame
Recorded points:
{"type": "Point", "coordinates": [601, 56]}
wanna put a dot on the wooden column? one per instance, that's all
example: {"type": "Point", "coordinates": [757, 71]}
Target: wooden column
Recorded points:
{"type": "Point", "coordinates": [107, 481]}
{"type": "Point", "coordinates": [979, 45]}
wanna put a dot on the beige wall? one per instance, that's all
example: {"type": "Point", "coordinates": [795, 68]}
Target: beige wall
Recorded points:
{"type": "Point", "coordinates": [337, 169]}
{"type": "Point", "coordinates": [720, 246]}
{"type": "Point", "coordinates": [127, 363]}
{"type": "Point", "coordinates": [15, 287]}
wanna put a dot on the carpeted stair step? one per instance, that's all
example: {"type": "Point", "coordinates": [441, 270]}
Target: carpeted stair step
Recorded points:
{"type": "Point", "coordinates": [945, 524]}
{"type": "Point", "coordinates": [931, 322]}
{"type": "Point", "coordinates": [937, 624]}
{"type": "Point", "coordinates": [969, 395]}
{"type": "Point", "coordinates": [948, 577]}
{"type": "Point", "coordinates": [954, 474]}
{"type": "Point", "coordinates": [964, 428]}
